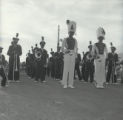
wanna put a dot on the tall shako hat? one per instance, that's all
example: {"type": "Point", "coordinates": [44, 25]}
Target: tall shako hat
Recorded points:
{"type": "Point", "coordinates": [90, 44]}
{"type": "Point", "coordinates": [16, 38]}
{"type": "Point", "coordinates": [112, 47]}
{"type": "Point", "coordinates": [100, 32]}
{"type": "Point", "coordinates": [42, 42]}
{"type": "Point", "coordinates": [71, 26]}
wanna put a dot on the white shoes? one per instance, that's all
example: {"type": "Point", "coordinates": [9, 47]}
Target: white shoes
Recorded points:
{"type": "Point", "coordinates": [70, 86]}
{"type": "Point", "coordinates": [98, 86]}
{"type": "Point", "coordinates": [106, 83]}
{"type": "Point", "coordinates": [65, 86]}
{"type": "Point", "coordinates": [44, 81]}
{"type": "Point", "coordinates": [17, 81]}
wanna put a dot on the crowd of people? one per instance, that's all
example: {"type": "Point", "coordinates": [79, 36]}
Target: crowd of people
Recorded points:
{"type": "Point", "coordinates": [97, 65]}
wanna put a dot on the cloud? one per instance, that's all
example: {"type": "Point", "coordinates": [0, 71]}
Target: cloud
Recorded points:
{"type": "Point", "coordinates": [36, 18]}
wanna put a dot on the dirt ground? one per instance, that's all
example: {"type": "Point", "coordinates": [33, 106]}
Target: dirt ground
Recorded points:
{"type": "Point", "coordinates": [28, 100]}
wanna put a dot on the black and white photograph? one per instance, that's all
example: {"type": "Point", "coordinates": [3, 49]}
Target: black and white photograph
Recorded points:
{"type": "Point", "coordinates": [61, 59]}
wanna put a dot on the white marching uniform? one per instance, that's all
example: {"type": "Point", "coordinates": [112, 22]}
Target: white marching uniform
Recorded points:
{"type": "Point", "coordinates": [100, 73]}
{"type": "Point", "coordinates": [100, 52]}
{"type": "Point", "coordinates": [69, 63]}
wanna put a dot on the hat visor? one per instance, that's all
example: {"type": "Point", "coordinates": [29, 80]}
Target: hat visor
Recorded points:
{"type": "Point", "coordinates": [101, 36]}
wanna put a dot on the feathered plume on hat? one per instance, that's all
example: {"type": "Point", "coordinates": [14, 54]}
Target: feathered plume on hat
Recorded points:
{"type": "Point", "coordinates": [42, 42]}
{"type": "Point", "coordinates": [16, 38]}
{"type": "Point", "coordinates": [112, 47]}
{"type": "Point", "coordinates": [100, 32]}
{"type": "Point", "coordinates": [71, 26]}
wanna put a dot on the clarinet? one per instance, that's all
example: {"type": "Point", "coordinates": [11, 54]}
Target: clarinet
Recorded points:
{"type": "Point", "coordinates": [15, 67]}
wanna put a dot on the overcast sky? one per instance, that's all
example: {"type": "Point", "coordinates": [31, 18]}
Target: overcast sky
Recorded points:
{"type": "Point", "coordinates": [35, 18]}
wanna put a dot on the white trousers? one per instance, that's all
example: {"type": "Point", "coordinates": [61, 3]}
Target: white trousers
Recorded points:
{"type": "Point", "coordinates": [68, 73]}
{"type": "Point", "coordinates": [100, 74]}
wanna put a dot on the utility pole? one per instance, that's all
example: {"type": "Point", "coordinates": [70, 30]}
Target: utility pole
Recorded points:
{"type": "Point", "coordinates": [58, 37]}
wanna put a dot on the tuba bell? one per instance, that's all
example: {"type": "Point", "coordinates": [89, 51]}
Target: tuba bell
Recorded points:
{"type": "Point", "coordinates": [38, 54]}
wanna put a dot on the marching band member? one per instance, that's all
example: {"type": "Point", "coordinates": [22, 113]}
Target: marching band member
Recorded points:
{"type": "Point", "coordinates": [100, 55]}
{"type": "Point", "coordinates": [69, 48]}
{"type": "Point", "coordinates": [58, 64]}
{"type": "Point", "coordinates": [49, 67]}
{"type": "Point", "coordinates": [52, 63]}
{"type": "Point", "coordinates": [41, 62]}
{"type": "Point", "coordinates": [14, 53]}
{"type": "Point", "coordinates": [44, 56]}
{"type": "Point", "coordinates": [32, 63]}
{"type": "Point", "coordinates": [111, 63]}
{"type": "Point", "coordinates": [89, 65]}
{"type": "Point", "coordinates": [77, 67]}
{"type": "Point", "coordinates": [121, 71]}
{"type": "Point", "coordinates": [2, 68]}
{"type": "Point", "coordinates": [36, 47]}
{"type": "Point", "coordinates": [28, 64]}
{"type": "Point", "coordinates": [83, 66]}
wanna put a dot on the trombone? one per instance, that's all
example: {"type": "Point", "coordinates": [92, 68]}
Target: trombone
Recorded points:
{"type": "Point", "coordinates": [15, 65]}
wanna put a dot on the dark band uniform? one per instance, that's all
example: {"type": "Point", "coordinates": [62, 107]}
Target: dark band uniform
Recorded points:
{"type": "Point", "coordinates": [41, 62]}
{"type": "Point", "coordinates": [58, 65]}
{"type": "Point", "coordinates": [89, 66]}
{"type": "Point", "coordinates": [51, 65]}
{"type": "Point", "coordinates": [111, 62]}
{"type": "Point", "coordinates": [30, 69]}
{"type": "Point", "coordinates": [2, 72]}
{"type": "Point", "coordinates": [12, 51]}
{"type": "Point", "coordinates": [77, 67]}
{"type": "Point", "coordinates": [41, 66]}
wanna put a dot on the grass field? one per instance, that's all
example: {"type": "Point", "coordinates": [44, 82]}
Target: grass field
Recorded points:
{"type": "Point", "coordinates": [28, 100]}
